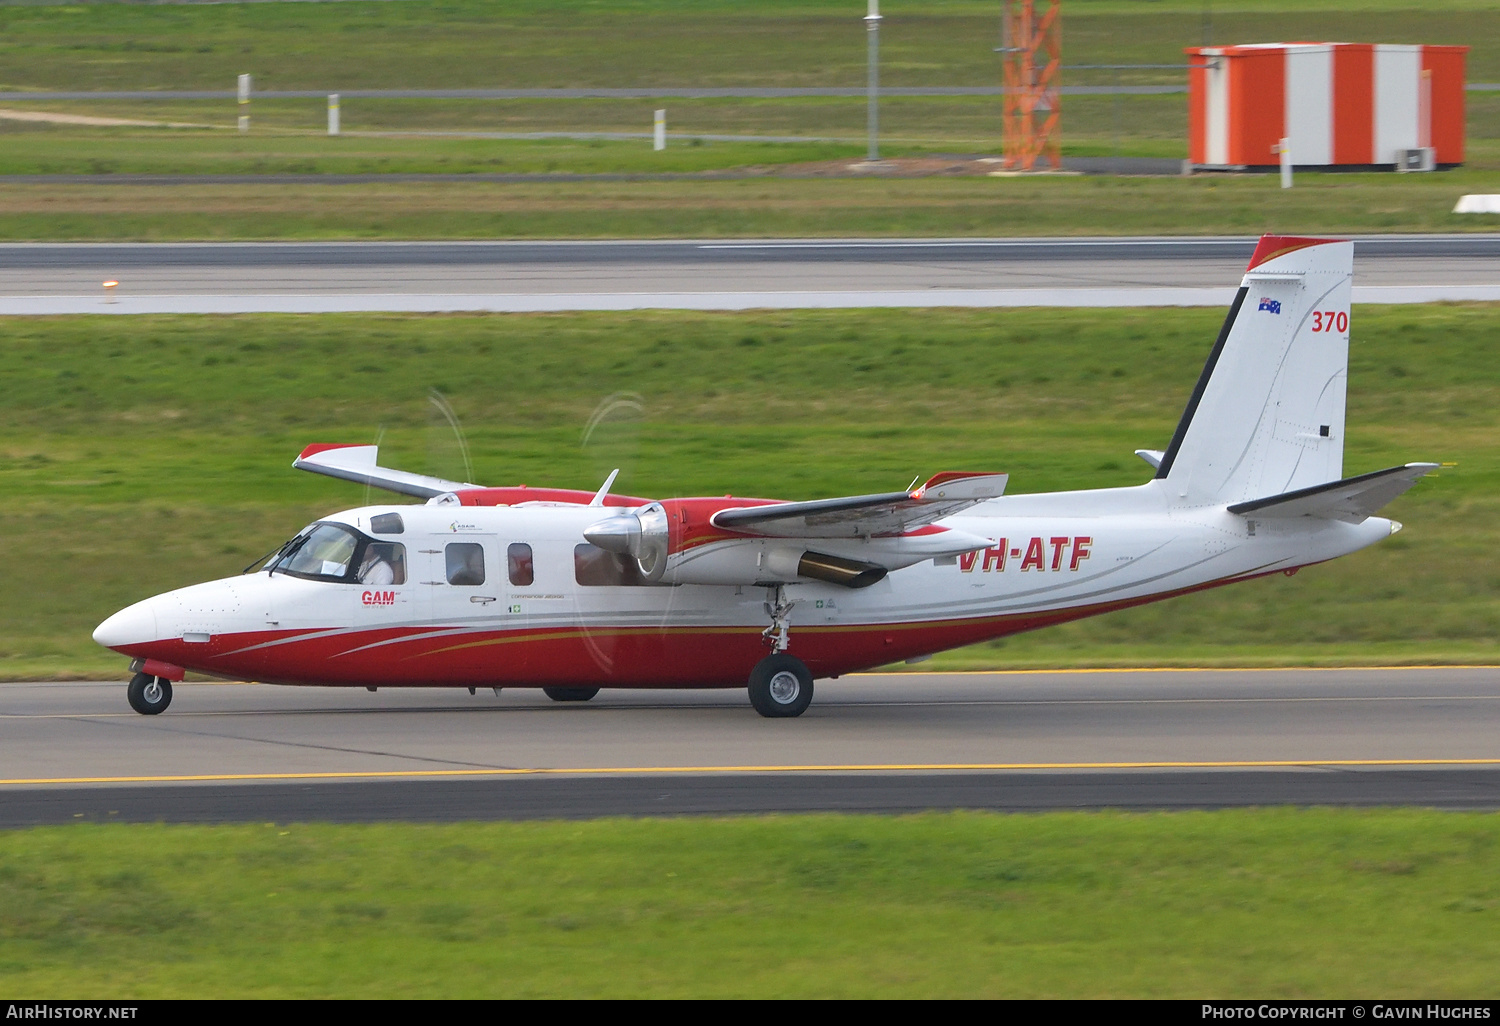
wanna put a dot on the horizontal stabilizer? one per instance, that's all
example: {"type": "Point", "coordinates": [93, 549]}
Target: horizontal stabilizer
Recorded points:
{"type": "Point", "coordinates": [1351, 500]}
{"type": "Point", "coordinates": [864, 515]}
{"type": "Point", "coordinates": [357, 463]}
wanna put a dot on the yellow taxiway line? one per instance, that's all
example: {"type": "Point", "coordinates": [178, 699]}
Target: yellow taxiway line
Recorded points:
{"type": "Point", "coordinates": [678, 770]}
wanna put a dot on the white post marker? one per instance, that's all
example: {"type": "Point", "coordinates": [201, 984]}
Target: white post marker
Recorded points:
{"type": "Point", "coordinates": [244, 103]}
{"type": "Point", "coordinates": [1285, 149]}
{"type": "Point", "coordinates": [333, 113]}
{"type": "Point", "coordinates": [872, 25]}
{"type": "Point", "coordinates": [659, 135]}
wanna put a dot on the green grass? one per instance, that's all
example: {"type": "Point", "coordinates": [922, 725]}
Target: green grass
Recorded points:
{"type": "Point", "coordinates": [471, 44]}
{"type": "Point", "coordinates": [536, 43]}
{"type": "Point", "coordinates": [1251, 904]}
{"type": "Point", "coordinates": [754, 207]}
{"type": "Point", "coordinates": [290, 136]}
{"type": "Point", "coordinates": [144, 453]}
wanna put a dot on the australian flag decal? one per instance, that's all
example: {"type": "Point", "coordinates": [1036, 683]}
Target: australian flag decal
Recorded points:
{"type": "Point", "coordinates": [1273, 305]}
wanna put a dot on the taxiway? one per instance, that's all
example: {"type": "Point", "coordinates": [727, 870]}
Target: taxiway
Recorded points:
{"type": "Point", "coordinates": [1130, 739]}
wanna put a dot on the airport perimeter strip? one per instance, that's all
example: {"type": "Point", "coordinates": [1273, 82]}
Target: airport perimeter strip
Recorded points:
{"type": "Point", "coordinates": [364, 302]}
{"type": "Point", "coordinates": [640, 771]}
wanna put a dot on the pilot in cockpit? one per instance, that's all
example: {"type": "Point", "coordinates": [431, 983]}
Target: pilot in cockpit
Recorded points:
{"type": "Point", "coordinates": [379, 566]}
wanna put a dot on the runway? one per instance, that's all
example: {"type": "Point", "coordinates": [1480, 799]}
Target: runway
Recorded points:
{"type": "Point", "coordinates": [894, 742]}
{"type": "Point", "coordinates": [707, 275]}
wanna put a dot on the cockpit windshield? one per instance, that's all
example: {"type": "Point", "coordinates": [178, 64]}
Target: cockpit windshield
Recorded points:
{"type": "Point", "coordinates": [333, 552]}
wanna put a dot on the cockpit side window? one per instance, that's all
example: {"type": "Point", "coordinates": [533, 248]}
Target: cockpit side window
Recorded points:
{"type": "Point", "coordinates": [383, 563]}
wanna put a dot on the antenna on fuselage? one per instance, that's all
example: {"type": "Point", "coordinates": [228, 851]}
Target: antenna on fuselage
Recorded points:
{"type": "Point", "coordinates": [598, 499]}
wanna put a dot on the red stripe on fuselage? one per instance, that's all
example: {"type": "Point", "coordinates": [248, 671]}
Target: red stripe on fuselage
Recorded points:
{"type": "Point", "coordinates": [641, 656]}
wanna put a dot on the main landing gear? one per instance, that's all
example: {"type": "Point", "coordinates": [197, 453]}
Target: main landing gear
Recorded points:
{"type": "Point", "coordinates": [781, 684]}
{"type": "Point", "coordinates": [570, 694]}
{"type": "Point", "coordinates": [149, 695]}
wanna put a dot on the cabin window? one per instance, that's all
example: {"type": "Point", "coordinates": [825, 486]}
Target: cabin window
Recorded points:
{"type": "Point", "coordinates": [594, 567]}
{"type": "Point", "coordinates": [519, 563]}
{"type": "Point", "coordinates": [465, 563]}
{"type": "Point", "coordinates": [387, 523]}
{"type": "Point", "coordinates": [383, 563]}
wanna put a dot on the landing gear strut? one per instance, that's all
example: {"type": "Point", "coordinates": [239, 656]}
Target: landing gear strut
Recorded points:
{"type": "Point", "coordinates": [149, 695]}
{"type": "Point", "coordinates": [779, 635]}
{"type": "Point", "coordinates": [781, 685]}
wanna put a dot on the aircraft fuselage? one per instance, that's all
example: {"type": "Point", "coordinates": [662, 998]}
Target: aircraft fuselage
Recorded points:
{"type": "Point", "coordinates": [507, 596]}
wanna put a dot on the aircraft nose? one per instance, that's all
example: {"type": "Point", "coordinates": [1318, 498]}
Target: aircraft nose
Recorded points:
{"type": "Point", "coordinates": [133, 625]}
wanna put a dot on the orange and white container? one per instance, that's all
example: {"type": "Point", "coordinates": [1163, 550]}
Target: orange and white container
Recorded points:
{"type": "Point", "coordinates": [1340, 106]}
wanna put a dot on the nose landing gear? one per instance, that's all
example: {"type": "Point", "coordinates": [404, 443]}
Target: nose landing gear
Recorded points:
{"type": "Point", "coordinates": [149, 695]}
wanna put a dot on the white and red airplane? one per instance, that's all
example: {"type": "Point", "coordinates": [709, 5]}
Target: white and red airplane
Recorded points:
{"type": "Point", "coordinates": [572, 591]}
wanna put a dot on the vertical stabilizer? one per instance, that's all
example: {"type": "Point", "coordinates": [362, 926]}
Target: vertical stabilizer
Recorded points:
{"type": "Point", "coordinates": [1267, 415]}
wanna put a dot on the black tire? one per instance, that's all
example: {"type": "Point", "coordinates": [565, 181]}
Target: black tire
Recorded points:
{"type": "Point", "coordinates": [570, 694]}
{"type": "Point", "coordinates": [781, 685]}
{"type": "Point", "coordinates": [149, 695]}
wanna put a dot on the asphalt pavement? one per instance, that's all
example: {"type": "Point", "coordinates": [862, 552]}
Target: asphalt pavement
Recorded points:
{"type": "Point", "coordinates": [870, 742]}
{"type": "Point", "coordinates": [47, 278]}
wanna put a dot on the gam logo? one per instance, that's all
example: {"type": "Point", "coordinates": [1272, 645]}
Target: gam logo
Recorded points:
{"type": "Point", "coordinates": [378, 598]}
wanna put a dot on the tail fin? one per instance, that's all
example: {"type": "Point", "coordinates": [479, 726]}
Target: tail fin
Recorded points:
{"type": "Point", "coordinates": [1267, 416]}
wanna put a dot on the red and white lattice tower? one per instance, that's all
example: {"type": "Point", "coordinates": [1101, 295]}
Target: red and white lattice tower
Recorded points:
{"type": "Point", "coordinates": [1031, 53]}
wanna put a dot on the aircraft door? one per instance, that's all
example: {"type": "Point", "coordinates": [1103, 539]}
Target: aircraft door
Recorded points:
{"type": "Point", "coordinates": [463, 581]}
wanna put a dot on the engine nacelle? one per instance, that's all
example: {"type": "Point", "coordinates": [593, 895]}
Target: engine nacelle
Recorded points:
{"type": "Point", "coordinates": [659, 538]}
{"type": "Point", "coordinates": [642, 534]}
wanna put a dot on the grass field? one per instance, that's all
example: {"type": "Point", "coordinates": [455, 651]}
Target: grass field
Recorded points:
{"type": "Point", "coordinates": [571, 43]}
{"type": "Point", "coordinates": [469, 44]}
{"type": "Point", "coordinates": [140, 454]}
{"type": "Point", "coordinates": [756, 207]}
{"type": "Point", "coordinates": [421, 135]}
{"type": "Point", "coordinates": [1251, 904]}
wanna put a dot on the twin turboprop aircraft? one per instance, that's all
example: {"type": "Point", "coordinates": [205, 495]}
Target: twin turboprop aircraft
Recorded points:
{"type": "Point", "coordinates": [572, 591]}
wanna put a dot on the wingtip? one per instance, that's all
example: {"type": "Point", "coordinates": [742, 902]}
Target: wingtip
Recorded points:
{"type": "Point", "coordinates": [317, 447]}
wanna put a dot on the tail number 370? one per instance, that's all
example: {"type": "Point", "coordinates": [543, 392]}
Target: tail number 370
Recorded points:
{"type": "Point", "coordinates": [1330, 320]}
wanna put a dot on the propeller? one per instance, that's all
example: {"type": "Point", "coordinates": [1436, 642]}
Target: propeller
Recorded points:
{"type": "Point", "coordinates": [446, 442]}
{"type": "Point", "coordinates": [611, 438]}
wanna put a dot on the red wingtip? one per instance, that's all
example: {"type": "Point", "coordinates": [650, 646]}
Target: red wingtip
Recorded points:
{"type": "Point", "coordinates": [950, 475]}
{"type": "Point", "coordinates": [317, 447]}
{"type": "Point", "coordinates": [1273, 246]}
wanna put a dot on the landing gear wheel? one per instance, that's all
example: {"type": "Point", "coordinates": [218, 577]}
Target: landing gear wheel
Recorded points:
{"type": "Point", "coordinates": [149, 695]}
{"type": "Point", "coordinates": [570, 694]}
{"type": "Point", "coordinates": [781, 685]}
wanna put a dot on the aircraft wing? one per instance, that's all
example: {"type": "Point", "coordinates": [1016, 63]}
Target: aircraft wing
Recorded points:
{"type": "Point", "coordinates": [357, 463]}
{"type": "Point", "coordinates": [860, 516]}
{"type": "Point", "coordinates": [1351, 500]}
